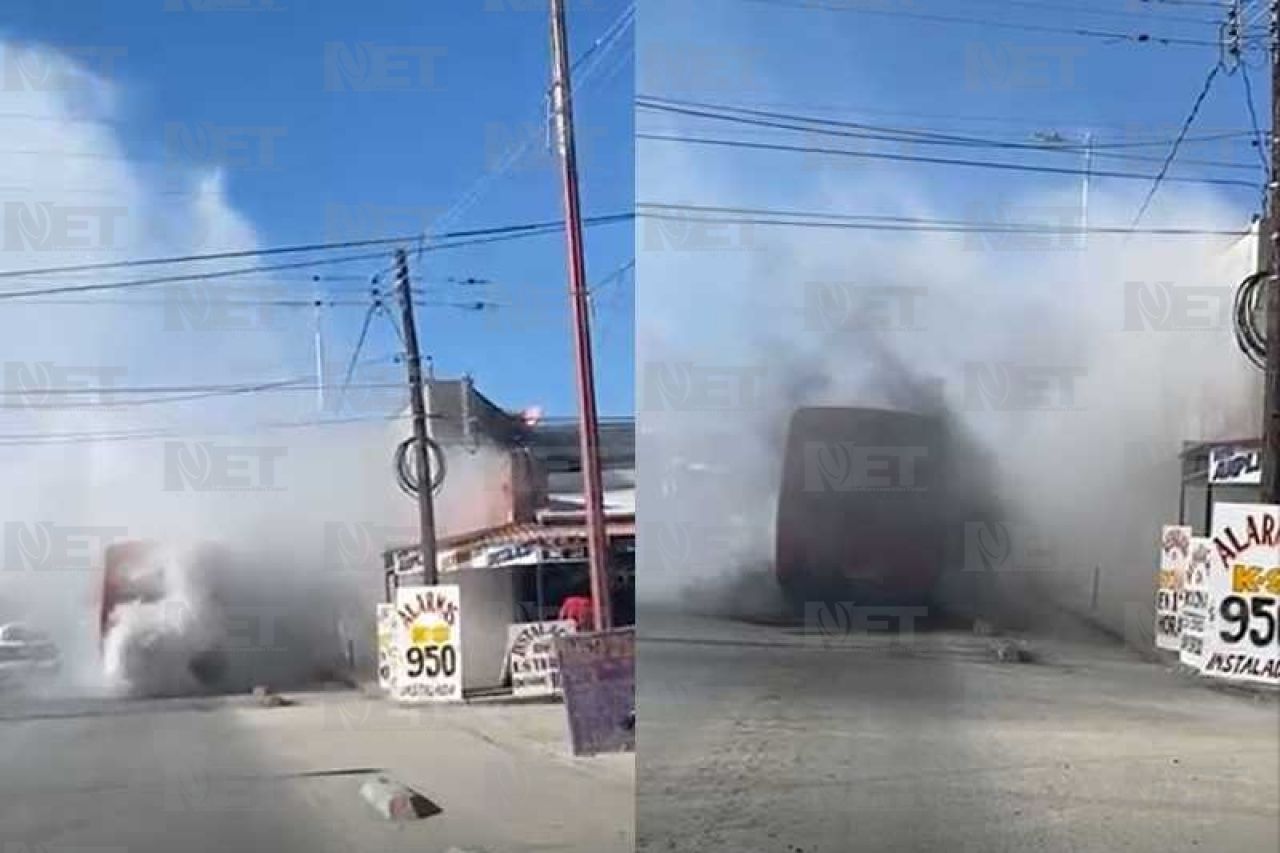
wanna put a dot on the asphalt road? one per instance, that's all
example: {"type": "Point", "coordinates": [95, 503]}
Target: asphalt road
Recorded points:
{"type": "Point", "coordinates": [762, 738]}
{"type": "Point", "coordinates": [195, 775]}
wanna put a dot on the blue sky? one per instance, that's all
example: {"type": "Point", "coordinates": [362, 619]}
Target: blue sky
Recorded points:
{"type": "Point", "coordinates": [305, 158]}
{"type": "Point", "coordinates": [877, 65]}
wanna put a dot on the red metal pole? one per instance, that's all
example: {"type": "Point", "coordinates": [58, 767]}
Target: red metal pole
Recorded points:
{"type": "Point", "coordinates": [588, 436]}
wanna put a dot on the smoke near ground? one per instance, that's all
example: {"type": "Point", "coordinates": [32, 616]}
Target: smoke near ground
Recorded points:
{"type": "Point", "coordinates": [1073, 367]}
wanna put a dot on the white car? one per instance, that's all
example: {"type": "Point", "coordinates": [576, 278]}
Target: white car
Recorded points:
{"type": "Point", "coordinates": [26, 653]}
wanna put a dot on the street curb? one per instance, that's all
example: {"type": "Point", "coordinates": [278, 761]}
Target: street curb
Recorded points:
{"type": "Point", "coordinates": [394, 801]}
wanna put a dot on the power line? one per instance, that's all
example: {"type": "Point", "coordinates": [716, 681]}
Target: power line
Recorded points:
{"type": "Point", "coordinates": [616, 275]}
{"type": "Point", "coordinates": [1173, 150]}
{"type": "Point", "coordinates": [941, 161]}
{"type": "Point", "coordinates": [494, 235]}
{"type": "Point", "coordinates": [1094, 10]}
{"type": "Point", "coordinates": [470, 305]}
{"type": "Point", "coordinates": [355, 353]}
{"type": "Point", "coordinates": [173, 396]}
{"type": "Point", "coordinates": [881, 222]}
{"type": "Point", "coordinates": [276, 250]}
{"type": "Point", "coordinates": [1261, 143]}
{"type": "Point", "coordinates": [917, 137]}
{"type": "Point", "coordinates": [105, 436]}
{"type": "Point", "coordinates": [686, 107]}
{"type": "Point", "coordinates": [1108, 35]}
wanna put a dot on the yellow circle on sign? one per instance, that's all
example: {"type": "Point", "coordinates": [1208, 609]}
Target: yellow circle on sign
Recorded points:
{"type": "Point", "coordinates": [440, 634]}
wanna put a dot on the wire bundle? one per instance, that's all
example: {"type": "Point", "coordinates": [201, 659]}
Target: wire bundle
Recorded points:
{"type": "Point", "coordinates": [408, 478]}
{"type": "Point", "coordinates": [1250, 336]}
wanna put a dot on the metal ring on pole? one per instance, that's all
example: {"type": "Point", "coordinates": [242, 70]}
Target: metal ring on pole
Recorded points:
{"type": "Point", "coordinates": [407, 478]}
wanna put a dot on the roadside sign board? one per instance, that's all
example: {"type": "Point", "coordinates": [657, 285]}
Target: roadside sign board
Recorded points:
{"type": "Point", "coordinates": [1175, 551]}
{"type": "Point", "coordinates": [1242, 640]}
{"type": "Point", "coordinates": [598, 674]}
{"type": "Point", "coordinates": [532, 658]}
{"type": "Point", "coordinates": [428, 644]}
{"type": "Point", "coordinates": [1193, 609]}
{"type": "Point", "coordinates": [385, 619]}
{"type": "Point", "coordinates": [1241, 466]}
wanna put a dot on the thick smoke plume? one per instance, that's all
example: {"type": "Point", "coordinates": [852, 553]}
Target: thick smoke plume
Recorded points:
{"type": "Point", "coordinates": [271, 537]}
{"type": "Point", "coordinates": [1073, 368]}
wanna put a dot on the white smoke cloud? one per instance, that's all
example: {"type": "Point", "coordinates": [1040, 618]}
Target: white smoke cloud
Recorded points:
{"type": "Point", "coordinates": [300, 516]}
{"type": "Point", "coordinates": [1078, 364]}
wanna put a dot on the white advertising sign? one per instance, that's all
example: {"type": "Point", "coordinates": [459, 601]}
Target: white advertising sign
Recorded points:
{"type": "Point", "coordinates": [532, 658]}
{"type": "Point", "coordinates": [1242, 635]}
{"type": "Point", "coordinates": [1235, 466]}
{"type": "Point", "coordinates": [428, 644]}
{"type": "Point", "coordinates": [385, 619]}
{"type": "Point", "coordinates": [1175, 552]}
{"type": "Point", "coordinates": [1193, 609]}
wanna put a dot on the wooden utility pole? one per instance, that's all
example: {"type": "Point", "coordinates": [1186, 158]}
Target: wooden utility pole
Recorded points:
{"type": "Point", "coordinates": [588, 435]}
{"type": "Point", "coordinates": [421, 458]}
{"type": "Point", "coordinates": [1271, 405]}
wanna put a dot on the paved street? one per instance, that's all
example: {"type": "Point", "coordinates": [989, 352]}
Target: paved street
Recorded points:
{"type": "Point", "coordinates": [759, 738]}
{"type": "Point", "coordinates": [225, 774]}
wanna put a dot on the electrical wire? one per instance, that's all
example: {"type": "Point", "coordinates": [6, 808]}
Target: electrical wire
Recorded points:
{"type": "Point", "coordinates": [276, 250]}
{"type": "Point", "coordinates": [108, 436]}
{"type": "Point", "coordinates": [1260, 141]}
{"type": "Point", "coordinates": [355, 353]}
{"type": "Point", "coordinates": [1161, 176]}
{"type": "Point", "coordinates": [915, 137]}
{"type": "Point", "coordinates": [696, 108]}
{"type": "Point", "coordinates": [992, 23]}
{"type": "Point", "coordinates": [495, 235]}
{"type": "Point", "coordinates": [941, 161]}
{"type": "Point", "coordinates": [881, 222]}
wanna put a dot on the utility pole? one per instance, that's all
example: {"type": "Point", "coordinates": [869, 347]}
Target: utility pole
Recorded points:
{"type": "Point", "coordinates": [1271, 405]}
{"type": "Point", "coordinates": [588, 436]}
{"type": "Point", "coordinates": [319, 353]}
{"type": "Point", "coordinates": [421, 458]}
{"type": "Point", "coordinates": [1084, 185]}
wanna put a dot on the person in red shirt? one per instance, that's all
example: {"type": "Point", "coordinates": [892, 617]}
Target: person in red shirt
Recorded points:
{"type": "Point", "coordinates": [577, 608]}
